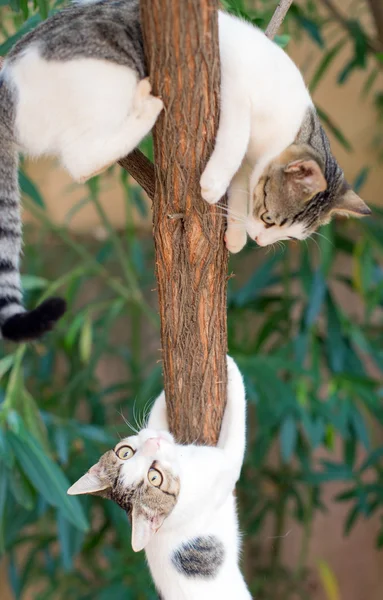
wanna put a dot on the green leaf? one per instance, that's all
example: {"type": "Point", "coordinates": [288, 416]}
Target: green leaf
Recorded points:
{"type": "Point", "coordinates": [288, 438]}
{"type": "Point", "coordinates": [11, 41]}
{"type": "Point", "coordinates": [312, 29]}
{"type": "Point", "coordinates": [256, 284]}
{"type": "Point", "coordinates": [361, 179]}
{"type": "Point", "coordinates": [46, 477]}
{"type": "Point", "coordinates": [70, 539]}
{"type": "Point", "coordinates": [282, 40]}
{"type": "Point", "coordinates": [334, 130]}
{"type": "Point", "coordinates": [3, 498]}
{"type": "Point", "coordinates": [85, 341]}
{"type": "Point", "coordinates": [28, 187]}
{"type": "Point", "coordinates": [373, 459]}
{"type": "Point", "coordinates": [325, 63]}
{"type": "Point", "coordinates": [317, 295]}
{"type": "Point", "coordinates": [22, 490]}
{"type": "Point", "coordinates": [329, 582]}
{"type": "Point", "coordinates": [6, 363]}
{"type": "Point", "coordinates": [32, 282]}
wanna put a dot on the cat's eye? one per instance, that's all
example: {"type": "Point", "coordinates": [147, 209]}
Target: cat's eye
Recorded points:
{"type": "Point", "coordinates": [155, 477]}
{"type": "Point", "coordinates": [125, 452]}
{"type": "Point", "coordinates": [268, 219]}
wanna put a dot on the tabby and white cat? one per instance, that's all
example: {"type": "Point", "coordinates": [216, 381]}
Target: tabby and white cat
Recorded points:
{"type": "Point", "coordinates": [76, 87]}
{"type": "Point", "coordinates": [271, 151]}
{"type": "Point", "coordinates": [180, 501]}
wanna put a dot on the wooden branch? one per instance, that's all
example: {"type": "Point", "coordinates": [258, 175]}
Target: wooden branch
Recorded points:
{"type": "Point", "coordinates": [181, 41]}
{"type": "Point", "coordinates": [141, 169]}
{"type": "Point", "coordinates": [278, 18]}
{"type": "Point", "coordinates": [376, 7]}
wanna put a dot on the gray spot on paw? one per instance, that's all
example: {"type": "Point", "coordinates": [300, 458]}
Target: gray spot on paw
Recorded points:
{"type": "Point", "coordinates": [200, 557]}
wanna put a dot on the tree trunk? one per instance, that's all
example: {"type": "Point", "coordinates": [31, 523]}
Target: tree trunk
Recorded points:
{"type": "Point", "coordinates": [181, 42]}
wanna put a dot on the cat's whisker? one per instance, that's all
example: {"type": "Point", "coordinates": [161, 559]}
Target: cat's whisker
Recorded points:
{"type": "Point", "coordinates": [242, 218]}
{"type": "Point", "coordinates": [316, 243]}
{"type": "Point", "coordinates": [230, 211]}
{"type": "Point", "coordinates": [127, 422]}
{"type": "Point", "coordinates": [323, 236]}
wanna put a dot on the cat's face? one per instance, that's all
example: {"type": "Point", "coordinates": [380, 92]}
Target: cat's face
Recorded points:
{"type": "Point", "coordinates": [141, 475]}
{"type": "Point", "coordinates": [296, 194]}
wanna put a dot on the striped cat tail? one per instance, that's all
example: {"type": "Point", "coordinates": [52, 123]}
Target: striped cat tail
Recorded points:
{"type": "Point", "coordinates": [16, 323]}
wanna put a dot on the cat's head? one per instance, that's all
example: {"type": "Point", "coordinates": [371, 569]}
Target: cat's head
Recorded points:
{"type": "Point", "coordinates": [299, 191]}
{"type": "Point", "coordinates": [141, 475]}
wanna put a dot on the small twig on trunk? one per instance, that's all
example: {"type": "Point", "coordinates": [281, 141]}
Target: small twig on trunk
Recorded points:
{"type": "Point", "coordinates": [141, 169]}
{"type": "Point", "coordinates": [278, 18]}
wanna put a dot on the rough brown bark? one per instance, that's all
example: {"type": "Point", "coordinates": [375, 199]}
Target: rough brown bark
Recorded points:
{"type": "Point", "coordinates": [181, 41]}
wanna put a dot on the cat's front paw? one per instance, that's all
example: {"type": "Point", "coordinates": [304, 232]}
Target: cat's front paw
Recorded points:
{"type": "Point", "coordinates": [235, 240]}
{"type": "Point", "coordinates": [212, 189]}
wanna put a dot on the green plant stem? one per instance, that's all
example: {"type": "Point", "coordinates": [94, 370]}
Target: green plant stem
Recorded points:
{"type": "Point", "coordinates": [126, 267]}
{"type": "Point", "coordinates": [278, 537]}
{"type": "Point", "coordinates": [307, 531]}
{"type": "Point", "coordinates": [129, 295]}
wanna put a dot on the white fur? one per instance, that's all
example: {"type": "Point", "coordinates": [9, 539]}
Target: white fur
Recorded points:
{"type": "Point", "coordinates": [263, 102]}
{"type": "Point", "coordinates": [206, 504]}
{"type": "Point", "coordinates": [88, 112]}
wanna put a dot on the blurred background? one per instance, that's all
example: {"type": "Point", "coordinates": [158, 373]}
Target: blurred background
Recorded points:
{"type": "Point", "coordinates": [305, 325]}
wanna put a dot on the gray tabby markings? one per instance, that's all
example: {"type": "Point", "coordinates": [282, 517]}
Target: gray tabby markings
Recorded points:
{"type": "Point", "coordinates": [313, 134]}
{"type": "Point", "coordinates": [108, 30]}
{"type": "Point", "coordinates": [201, 557]}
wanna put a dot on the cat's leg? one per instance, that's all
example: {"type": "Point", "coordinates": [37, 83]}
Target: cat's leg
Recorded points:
{"type": "Point", "coordinates": [230, 146]}
{"type": "Point", "coordinates": [236, 235]}
{"type": "Point", "coordinates": [158, 419]}
{"type": "Point", "coordinates": [232, 439]}
{"type": "Point", "coordinates": [94, 153]}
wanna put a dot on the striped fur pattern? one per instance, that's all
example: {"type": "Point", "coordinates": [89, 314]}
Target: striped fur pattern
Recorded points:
{"type": "Point", "coordinates": [202, 556]}
{"type": "Point", "coordinates": [74, 87]}
{"type": "Point", "coordinates": [271, 153]}
{"type": "Point", "coordinates": [180, 501]}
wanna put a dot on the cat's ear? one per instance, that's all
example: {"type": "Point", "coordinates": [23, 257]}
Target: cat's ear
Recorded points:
{"type": "Point", "coordinates": [308, 175]}
{"type": "Point", "coordinates": [143, 528]}
{"type": "Point", "coordinates": [350, 204]}
{"type": "Point", "coordinates": [90, 483]}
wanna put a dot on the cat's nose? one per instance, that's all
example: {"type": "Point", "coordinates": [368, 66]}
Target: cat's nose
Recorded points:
{"type": "Point", "coordinates": [151, 446]}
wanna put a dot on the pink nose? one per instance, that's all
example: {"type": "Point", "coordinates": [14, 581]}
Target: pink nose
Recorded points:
{"type": "Point", "coordinates": [151, 446]}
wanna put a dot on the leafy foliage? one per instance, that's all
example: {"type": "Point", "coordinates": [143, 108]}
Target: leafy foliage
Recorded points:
{"type": "Point", "coordinates": [313, 369]}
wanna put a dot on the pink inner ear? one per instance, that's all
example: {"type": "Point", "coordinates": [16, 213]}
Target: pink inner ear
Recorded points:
{"type": "Point", "coordinates": [310, 173]}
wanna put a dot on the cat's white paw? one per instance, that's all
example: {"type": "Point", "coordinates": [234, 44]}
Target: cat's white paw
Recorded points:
{"type": "Point", "coordinates": [235, 239]}
{"type": "Point", "coordinates": [212, 189]}
{"type": "Point", "coordinates": [143, 88]}
{"type": "Point", "coordinates": [150, 108]}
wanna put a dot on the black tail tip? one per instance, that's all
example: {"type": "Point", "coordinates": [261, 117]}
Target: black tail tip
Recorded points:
{"type": "Point", "coordinates": [33, 324]}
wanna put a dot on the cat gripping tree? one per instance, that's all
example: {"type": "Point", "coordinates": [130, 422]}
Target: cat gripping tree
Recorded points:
{"type": "Point", "coordinates": [181, 44]}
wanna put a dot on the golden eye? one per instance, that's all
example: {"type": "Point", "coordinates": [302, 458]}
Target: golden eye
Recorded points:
{"type": "Point", "coordinates": [124, 452]}
{"type": "Point", "coordinates": [155, 477]}
{"type": "Point", "coordinates": [267, 218]}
